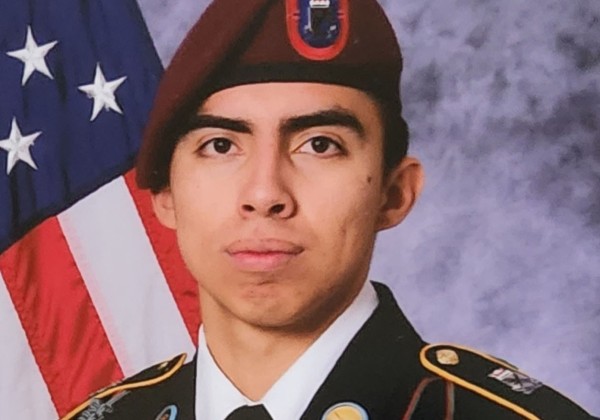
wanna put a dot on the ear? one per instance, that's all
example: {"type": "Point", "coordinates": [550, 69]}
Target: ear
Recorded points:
{"type": "Point", "coordinates": [400, 192]}
{"type": "Point", "coordinates": [164, 208]}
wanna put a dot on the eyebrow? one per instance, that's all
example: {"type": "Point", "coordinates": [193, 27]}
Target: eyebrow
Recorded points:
{"type": "Point", "coordinates": [336, 116]}
{"type": "Point", "coordinates": [197, 122]}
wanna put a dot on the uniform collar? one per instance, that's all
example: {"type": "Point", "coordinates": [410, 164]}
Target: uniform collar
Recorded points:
{"type": "Point", "coordinates": [289, 397]}
{"type": "Point", "coordinates": [379, 369]}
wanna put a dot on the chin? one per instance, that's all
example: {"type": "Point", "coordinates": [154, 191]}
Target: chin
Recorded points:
{"type": "Point", "coordinates": [270, 307]}
{"type": "Point", "coordinates": [288, 316]}
{"type": "Point", "coordinates": [270, 318]}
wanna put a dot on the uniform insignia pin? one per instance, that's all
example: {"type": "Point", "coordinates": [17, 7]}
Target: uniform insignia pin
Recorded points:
{"type": "Point", "coordinates": [517, 381]}
{"type": "Point", "coordinates": [346, 411]}
{"type": "Point", "coordinates": [318, 29]}
{"type": "Point", "coordinates": [447, 357]}
{"type": "Point", "coordinates": [168, 413]}
{"type": "Point", "coordinates": [97, 409]}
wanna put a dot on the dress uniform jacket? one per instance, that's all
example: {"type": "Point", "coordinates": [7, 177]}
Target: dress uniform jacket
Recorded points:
{"type": "Point", "coordinates": [386, 371]}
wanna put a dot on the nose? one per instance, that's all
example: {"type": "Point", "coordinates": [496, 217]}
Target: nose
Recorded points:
{"type": "Point", "coordinates": [266, 192]}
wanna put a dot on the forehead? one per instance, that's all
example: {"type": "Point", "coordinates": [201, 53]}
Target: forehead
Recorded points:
{"type": "Point", "coordinates": [280, 100]}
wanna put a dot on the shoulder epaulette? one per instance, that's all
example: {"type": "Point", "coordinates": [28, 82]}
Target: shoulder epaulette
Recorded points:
{"type": "Point", "coordinates": [499, 382]}
{"type": "Point", "coordinates": [108, 396]}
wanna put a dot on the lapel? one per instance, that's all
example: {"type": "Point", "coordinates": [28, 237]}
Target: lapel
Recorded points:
{"type": "Point", "coordinates": [379, 369]}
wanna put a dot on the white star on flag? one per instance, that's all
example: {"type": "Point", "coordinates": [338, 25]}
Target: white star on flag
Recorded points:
{"type": "Point", "coordinates": [33, 56]}
{"type": "Point", "coordinates": [103, 93]}
{"type": "Point", "coordinates": [17, 145]}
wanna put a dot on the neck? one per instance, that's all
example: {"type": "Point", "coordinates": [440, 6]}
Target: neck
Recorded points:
{"type": "Point", "coordinates": [254, 358]}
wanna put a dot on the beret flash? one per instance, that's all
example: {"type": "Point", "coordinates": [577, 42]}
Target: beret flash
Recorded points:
{"type": "Point", "coordinates": [343, 42]}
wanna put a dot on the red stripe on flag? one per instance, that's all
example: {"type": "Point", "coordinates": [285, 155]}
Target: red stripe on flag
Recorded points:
{"type": "Point", "coordinates": [62, 326]}
{"type": "Point", "coordinates": [183, 286]}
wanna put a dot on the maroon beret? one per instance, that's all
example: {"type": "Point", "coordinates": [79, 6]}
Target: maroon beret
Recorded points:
{"type": "Point", "coordinates": [235, 42]}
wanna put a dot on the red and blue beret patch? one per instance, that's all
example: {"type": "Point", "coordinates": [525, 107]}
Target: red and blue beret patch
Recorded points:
{"type": "Point", "coordinates": [318, 29]}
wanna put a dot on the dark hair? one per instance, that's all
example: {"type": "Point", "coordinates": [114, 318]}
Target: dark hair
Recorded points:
{"type": "Point", "coordinates": [395, 135]}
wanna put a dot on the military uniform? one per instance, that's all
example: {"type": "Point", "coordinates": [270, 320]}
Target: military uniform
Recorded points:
{"type": "Point", "coordinates": [386, 373]}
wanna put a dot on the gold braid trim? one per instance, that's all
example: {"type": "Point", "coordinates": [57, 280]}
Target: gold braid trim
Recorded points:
{"type": "Point", "coordinates": [125, 387]}
{"type": "Point", "coordinates": [472, 387]}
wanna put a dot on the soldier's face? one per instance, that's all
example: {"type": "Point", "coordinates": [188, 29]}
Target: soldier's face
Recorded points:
{"type": "Point", "coordinates": [276, 197]}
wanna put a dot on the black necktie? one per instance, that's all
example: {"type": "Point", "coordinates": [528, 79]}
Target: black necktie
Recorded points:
{"type": "Point", "coordinates": [247, 412]}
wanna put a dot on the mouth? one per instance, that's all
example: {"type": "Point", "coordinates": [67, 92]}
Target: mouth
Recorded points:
{"type": "Point", "coordinates": [262, 255]}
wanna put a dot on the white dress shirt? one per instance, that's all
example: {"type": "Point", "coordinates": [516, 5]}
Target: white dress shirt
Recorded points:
{"type": "Point", "coordinates": [289, 397]}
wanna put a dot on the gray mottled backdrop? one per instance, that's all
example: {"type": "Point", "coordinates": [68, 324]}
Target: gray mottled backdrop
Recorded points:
{"type": "Point", "coordinates": [503, 250]}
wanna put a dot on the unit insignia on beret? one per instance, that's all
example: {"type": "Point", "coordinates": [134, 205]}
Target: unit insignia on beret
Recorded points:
{"type": "Point", "coordinates": [318, 29]}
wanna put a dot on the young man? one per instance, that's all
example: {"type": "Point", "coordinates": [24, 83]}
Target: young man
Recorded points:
{"type": "Point", "coordinates": [276, 150]}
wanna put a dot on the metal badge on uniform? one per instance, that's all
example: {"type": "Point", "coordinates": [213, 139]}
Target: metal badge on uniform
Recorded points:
{"type": "Point", "coordinates": [447, 357]}
{"type": "Point", "coordinates": [517, 381]}
{"type": "Point", "coordinates": [168, 413]}
{"type": "Point", "coordinates": [318, 29]}
{"type": "Point", "coordinates": [346, 411]}
{"type": "Point", "coordinates": [97, 409]}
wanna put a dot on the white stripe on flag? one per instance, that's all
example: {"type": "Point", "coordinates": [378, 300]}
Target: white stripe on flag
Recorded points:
{"type": "Point", "coordinates": [23, 392]}
{"type": "Point", "coordinates": [115, 258]}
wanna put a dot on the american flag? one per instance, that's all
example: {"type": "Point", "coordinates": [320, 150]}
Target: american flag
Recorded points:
{"type": "Point", "coordinates": [92, 288]}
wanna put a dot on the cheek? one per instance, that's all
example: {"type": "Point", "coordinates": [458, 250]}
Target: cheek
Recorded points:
{"type": "Point", "coordinates": [198, 193]}
{"type": "Point", "coordinates": [347, 211]}
{"type": "Point", "coordinates": [200, 210]}
{"type": "Point", "coordinates": [362, 216]}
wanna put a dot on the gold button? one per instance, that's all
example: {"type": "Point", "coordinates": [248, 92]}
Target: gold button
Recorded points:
{"type": "Point", "coordinates": [447, 357]}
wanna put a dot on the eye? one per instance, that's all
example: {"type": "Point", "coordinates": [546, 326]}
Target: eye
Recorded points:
{"type": "Point", "coordinates": [216, 146]}
{"type": "Point", "coordinates": [321, 145]}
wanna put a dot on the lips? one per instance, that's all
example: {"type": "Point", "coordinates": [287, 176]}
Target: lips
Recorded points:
{"type": "Point", "coordinates": [256, 255]}
{"type": "Point", "coordinates": [264, 246]}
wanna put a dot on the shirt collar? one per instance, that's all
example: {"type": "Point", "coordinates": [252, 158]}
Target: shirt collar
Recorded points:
{"type": "Point", "coordinates": [289, 397]}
